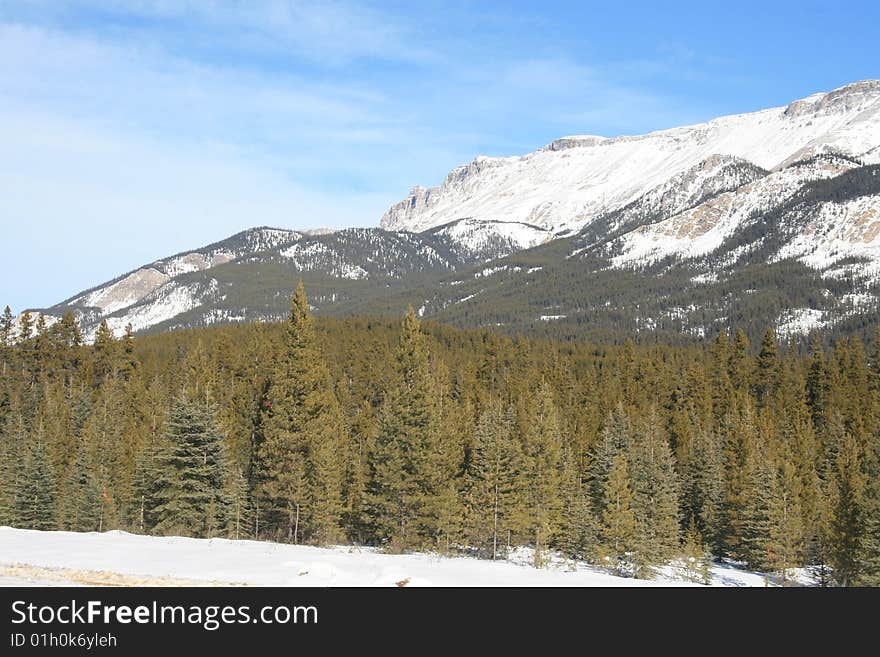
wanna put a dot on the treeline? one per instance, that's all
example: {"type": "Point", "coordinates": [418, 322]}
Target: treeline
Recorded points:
{"type": "Point", "coordinates": [423, 437]}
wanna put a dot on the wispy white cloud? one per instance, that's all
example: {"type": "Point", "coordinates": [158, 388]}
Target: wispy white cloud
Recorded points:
{"type": "Point", "coordinates": [133, 129]}
{"type": "Point", "coordinates": [331, 32]}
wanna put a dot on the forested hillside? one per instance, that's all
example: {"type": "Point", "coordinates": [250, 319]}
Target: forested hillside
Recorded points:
{"type": "Point", "coordinates": [416, 436]}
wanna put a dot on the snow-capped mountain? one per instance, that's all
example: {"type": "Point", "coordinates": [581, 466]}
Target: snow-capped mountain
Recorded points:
{"type": "Point", "coordinates": [484, 240]}
{"type": "Point", "coordinates": [248, 276]}
{"type": "Point", "coordinates": [575, 180]}
{"type": "Point", "coordinates": [131, 288]}
{"type": "Point", "coordinates": [769, 218]}
{"type": "Point", "coordinates": [702, 228]}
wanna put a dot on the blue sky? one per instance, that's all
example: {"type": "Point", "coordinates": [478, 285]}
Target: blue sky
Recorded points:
{"type": "Point", "coordinates": [133, 130]}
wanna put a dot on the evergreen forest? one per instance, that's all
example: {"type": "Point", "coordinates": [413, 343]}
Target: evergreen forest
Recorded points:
{"type": "Point", "coordinates": [415, 436]}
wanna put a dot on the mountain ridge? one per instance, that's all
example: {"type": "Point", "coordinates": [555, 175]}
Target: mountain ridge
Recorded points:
{"type": "Point", "coordinates": [698, 228]}
{"type": "Point", "coordinates": [483, 188]}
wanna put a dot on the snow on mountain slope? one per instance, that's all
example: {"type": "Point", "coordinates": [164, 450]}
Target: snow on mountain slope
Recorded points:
{"type": "Point", "coordinates": [836, 231]}
{"type": "Point", "coordinates": [151, 293]}
{"type": "Point", "coordinates": [134, 287]}
{"type": "Point", "coordinates": [125, 292]}
{"type": "Point", "coordinates": [483, 239]}
{"type": "Point", "coordinates": [703, 229]}
{"type": "Point", "coordinates": [572, 181]}
{"type": "Point", "coordinates": [315, 255]}
{"type": "Point", "coordinates": [361, 253]}
{"type": "Point", "coordinates": [686, 190]}
{"type": "Point", "coordinates": [165, 303]}
{"type": "Point", "coordinates": [65, 558]}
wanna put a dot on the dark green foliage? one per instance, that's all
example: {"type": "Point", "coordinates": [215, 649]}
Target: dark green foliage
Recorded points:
{"type": "Point", "coordinates": [189, 494]}
{"type": "Point", "coordinates": [35, 492]}
{"type": "Point", "coordinates": [414, 435]}
{"type": "Point", "coordinates": [490, 485]}
{"type": "Point", "coordinates": [403, 473]}
{"type": "Point", "coordinates": [301, 458]}
{"type": "Point", "coordinates": [619, 529]}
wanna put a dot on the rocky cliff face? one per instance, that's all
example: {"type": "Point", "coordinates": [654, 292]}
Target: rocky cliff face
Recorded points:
{"type": "Point", "coordinates": [769, 218]}
{"type": "Point", "coordinates": [574, 180]}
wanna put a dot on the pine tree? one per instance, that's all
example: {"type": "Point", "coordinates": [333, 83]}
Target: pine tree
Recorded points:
{"type": "Point", "coordinates": [540, 472]}
{"type": "Point", "coordinates": [149, 478]}
{"type": "Point", "coordinates": [848, 522]}
{"type": "Point", "coordinates": [703, 486]}
{"type": "Point", "coordinates": [578, 525]}
{"type": "Point", "coordinates": [619, 531]}
{"type": "Point", "coordinates": [190, 490]}
{"type": "Point", "coordinates": [400, 476]}
{"type": "Point", "coordinates": [695, 558]}
{"type": "Point", "coordinates": [302, 457]}
{"type": "Point", "coordinates": [35, 497]}
{"type": "Point", "coordinates": [490, 488]}
{"type": "Point", "coordinates": [239, 511]}
{"type": "Point", "coordinates": [767, 370]}
{"type": "Point", "coordinates": [785, 542]}
{"type": "Point", "coordinates": [654, 483]}
{"type": "Point", "coordinates": [105, 353]}
{"type": "Point", "coordinates": [81, 504]}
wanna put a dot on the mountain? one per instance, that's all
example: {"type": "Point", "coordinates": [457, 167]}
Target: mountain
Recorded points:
{"type": "Point", "coordinates": [769, 218]}
{"type": "Point", "coordinates": [574, 180]}
{"type": "Point", "coordinates": [249, 275]}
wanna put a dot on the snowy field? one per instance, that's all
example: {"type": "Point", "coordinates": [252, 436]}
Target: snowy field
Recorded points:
{"type": "Point", "coordinates": [34, 558]}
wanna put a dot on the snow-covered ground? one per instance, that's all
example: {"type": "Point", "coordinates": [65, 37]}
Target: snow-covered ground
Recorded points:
{"type": "Point", "coordinates": [33, 558]}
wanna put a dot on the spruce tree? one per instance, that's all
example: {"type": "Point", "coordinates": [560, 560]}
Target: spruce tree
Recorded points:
{"type": "Point", "coordinates": [35, 497]}
{"type": "Point", "coordinates": [761, 486]}
{"type": "Point", "coordinates": [400, 469]}
{"type": "Point", "coordinates": [25, 327]}
{"type": "Point", "coordinates": [703, 486]}
{"type": "Point", "coordinates": [740, 363]}
{"type": "Point", "coordinates": [578, 524]}
{"type": "Point", "coordinates": [362, 434]}
{"type": "Point", "coordinates": [301, 460]}
{"type": "Point", "coordinates": [81, 504]}
{"type": "Point", "coordinates": [817, 384]}
{"type": "Point", "coordinates": [739, 462]}
{"type": "Point", "coordinates": [616, 437]}
{"type": "Point", "coordinates": [190, 491]}
{"type": "Point", "coordinates": [148, 480]}
{"type": "Point", "coordinates": [6, 339]}
{"type": "Point", "coordinates": [490, 482]}
{"type": "Point", "coordinates": [767, 369]}
{"type": "Point", "coordinates": [695, 559]}
{"type": "Point", "coordinates": [785, 542]}
{"type": "Point", "coordinates": [848, 521]}
{"type": "Point", "coordinates": [105, 353]}
{"type": "Point", "coordinates": [12, 466]}
{"type": "Point", "coordinates": [654, 482]}
{"type": "Point", "coordinates": [618, 531]}
{"type": "Point", "coordinates": [6, 326]}
{"type": "Point", "coordinates": [540, 472]}
{"type": "Point", "coordinates": [239, 511]}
